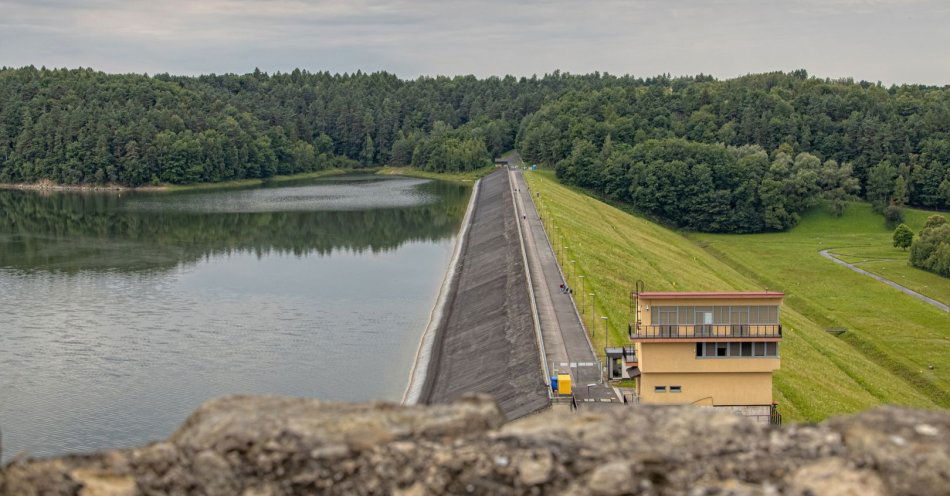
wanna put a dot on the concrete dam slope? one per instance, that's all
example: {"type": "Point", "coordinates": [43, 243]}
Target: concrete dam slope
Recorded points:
{"type": "Point", "coordinates": [485, 342]}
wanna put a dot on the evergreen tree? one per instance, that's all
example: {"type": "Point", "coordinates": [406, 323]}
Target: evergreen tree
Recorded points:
{"type": "Point", "coordinates": [368, 153]}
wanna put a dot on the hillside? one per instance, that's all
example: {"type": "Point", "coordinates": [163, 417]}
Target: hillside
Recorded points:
{"type": "Point", "coordinates": [821, 375]}
{"type": "Point", "coordinates": [908, 337]}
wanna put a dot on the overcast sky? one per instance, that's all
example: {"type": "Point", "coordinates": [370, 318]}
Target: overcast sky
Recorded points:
{"type": "Point", "coordinates": [893, 41]}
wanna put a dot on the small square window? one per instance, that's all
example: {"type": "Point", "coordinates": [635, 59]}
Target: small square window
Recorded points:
{"type": "Point", "coordinates": [659, 389]}
{"type": "Point", "coordinates": [676, 389]}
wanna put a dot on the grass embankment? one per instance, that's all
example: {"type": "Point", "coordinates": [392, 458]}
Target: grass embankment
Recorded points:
{"type": "Point", "coordinates": [821, 374]}
{"type": "Point", "coordinates": [465, 177]}
{"type": "Point", "coordinates": [896, 331]}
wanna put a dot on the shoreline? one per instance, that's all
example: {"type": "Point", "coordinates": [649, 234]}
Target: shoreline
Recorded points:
{"type": "Point", "coordinates": [46, 186]}
{"type": "Point", "coordinates": [420, 364]}
{"type": "Point", "coordinates": [49, 186]}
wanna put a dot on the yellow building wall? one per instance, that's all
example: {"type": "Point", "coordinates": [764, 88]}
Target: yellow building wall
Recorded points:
{"type": "Point", "coordinates": [708, 389]}
{"type": "Point", "coordinates": [681, 357]}
{"type": "Point", "coordinates": [703, 381]}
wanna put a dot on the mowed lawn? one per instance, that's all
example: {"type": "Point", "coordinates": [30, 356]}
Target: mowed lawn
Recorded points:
{"type": "Point", "coordinates": [821, 374]}
{"type": "Point", "coordinates": [862, 238]}
{"type": "Point", "coordinates": [908, 337]}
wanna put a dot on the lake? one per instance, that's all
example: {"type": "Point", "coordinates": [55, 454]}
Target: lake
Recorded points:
{"type": "Point", "coordinates": [121, 313]}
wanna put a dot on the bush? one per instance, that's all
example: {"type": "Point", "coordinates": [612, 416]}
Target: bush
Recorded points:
{"type": "Point", "coordinates": [931, 249]}
{"type": "Point", "coordinates": [893, 215]}
{"type": "Point", "coordinates": [903, 236]}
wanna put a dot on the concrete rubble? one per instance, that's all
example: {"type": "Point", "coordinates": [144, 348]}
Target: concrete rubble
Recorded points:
{"type": "Point", "coordinates": [268, 446]}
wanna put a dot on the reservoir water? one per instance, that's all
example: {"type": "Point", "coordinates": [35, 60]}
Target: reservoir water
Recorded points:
{"type": "Point", "coordinates": [121, 313]}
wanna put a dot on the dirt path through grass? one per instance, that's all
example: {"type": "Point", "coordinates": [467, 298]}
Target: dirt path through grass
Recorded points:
{"type": "Point", "coordinates": [925, 299]}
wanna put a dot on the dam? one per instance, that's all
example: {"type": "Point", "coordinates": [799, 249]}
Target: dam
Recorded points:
{"type": "Point", "coordinates": [483, 338]}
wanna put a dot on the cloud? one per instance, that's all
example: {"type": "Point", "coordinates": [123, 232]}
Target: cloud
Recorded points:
{"type": "Point", "coordinates": [889, 40]}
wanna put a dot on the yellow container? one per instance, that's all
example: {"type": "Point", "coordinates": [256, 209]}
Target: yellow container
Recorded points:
{"type": "Point", "coordinates": [563, 384]}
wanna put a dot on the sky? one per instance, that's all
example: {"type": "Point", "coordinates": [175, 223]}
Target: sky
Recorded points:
{"type": "Point", "coordinates": [892, 41]}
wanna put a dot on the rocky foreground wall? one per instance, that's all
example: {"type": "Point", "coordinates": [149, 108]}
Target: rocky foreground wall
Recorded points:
{"type": "Point", "coordinates": [256, 446]}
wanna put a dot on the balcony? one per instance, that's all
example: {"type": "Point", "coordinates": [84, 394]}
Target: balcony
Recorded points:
{"type": "Point", "coordinates": [708, 331]}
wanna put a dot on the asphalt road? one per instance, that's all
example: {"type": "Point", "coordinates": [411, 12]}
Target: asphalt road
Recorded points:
{"type": "Point", "coordinates": [566, 344]}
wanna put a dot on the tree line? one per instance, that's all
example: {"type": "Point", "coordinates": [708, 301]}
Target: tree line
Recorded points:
{"type": "Point", "coordinates": [749, 154]}
{"type": "Point", "coordinates": [739, 155]}
{"type": "Point", "coordinates": [82, 126]}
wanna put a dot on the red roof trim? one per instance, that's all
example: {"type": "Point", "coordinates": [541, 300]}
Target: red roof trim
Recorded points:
{"type": "Point", "coordinates": [673, 295]}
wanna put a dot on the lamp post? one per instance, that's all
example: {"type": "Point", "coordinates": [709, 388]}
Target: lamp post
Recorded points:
{"type": "Point", "coordinates": [591, 297]}
{"type": "Point", "coordinates": [572, 270]}
{"type": "Point", "coordinates": [581, 277]}
{"type": "Point", "coordinates": [605, 334]}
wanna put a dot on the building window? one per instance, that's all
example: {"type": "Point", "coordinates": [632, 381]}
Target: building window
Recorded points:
{"type": "Point", "coordinates": [715, 315]}
{"type": "Point", "coordinates": [746, 349]}
{"type": "Point", "coordinates": [676, 389]}
{"type": "Point", "coordinates": [722, 349]}
{"type": "Point", "coordinates": [734, 349]}
{"type": "Point", "coordinates": [659, 389]}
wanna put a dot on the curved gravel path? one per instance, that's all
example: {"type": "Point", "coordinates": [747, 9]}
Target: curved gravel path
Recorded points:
{"type": "Point", "coordinates": [925, 299]}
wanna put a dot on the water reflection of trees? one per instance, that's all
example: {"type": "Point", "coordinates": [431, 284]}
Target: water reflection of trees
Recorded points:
{"type": "Point", "coordinates": [71, 232]}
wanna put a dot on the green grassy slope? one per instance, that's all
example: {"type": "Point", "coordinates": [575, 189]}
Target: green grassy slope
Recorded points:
{"type": "Point", "coordinates": [892, 329]}
{"type": "Point", "coordinates": [860, 237]}
{"type": "Point", "coordinates": [821, 375]}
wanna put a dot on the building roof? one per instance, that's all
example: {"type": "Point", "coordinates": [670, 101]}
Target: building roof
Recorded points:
{"type": "Point", "coordinates": [699, 295]}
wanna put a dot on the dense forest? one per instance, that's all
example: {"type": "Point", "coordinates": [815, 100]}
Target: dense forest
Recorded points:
{"type": "Point", "coordinates": [741, 155]}
{"type": "Point", "coordinates": [82, 126]}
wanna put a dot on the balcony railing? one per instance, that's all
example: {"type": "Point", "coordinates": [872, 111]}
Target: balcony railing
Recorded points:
{"type": "Point", "coordinates": [694, 331]}
{"type": "Point", "coordinates": [628, 353]}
